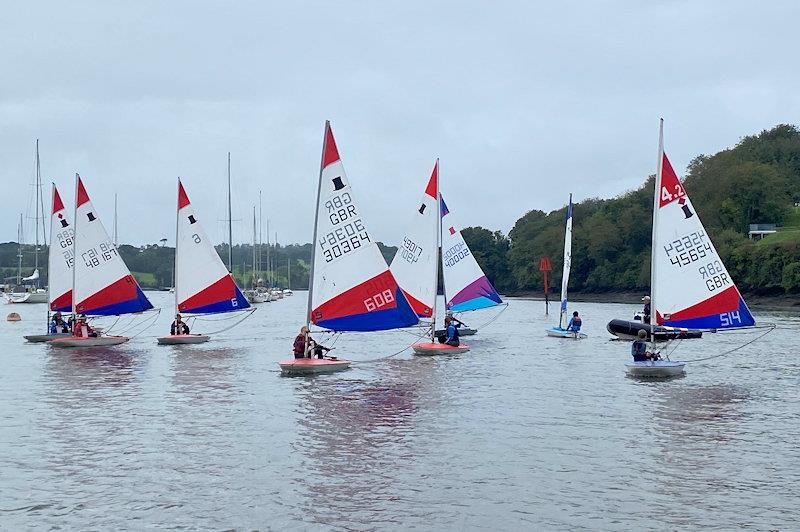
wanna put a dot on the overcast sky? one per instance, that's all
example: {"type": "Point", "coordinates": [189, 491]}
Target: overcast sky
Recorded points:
{"type": "Point", "coordinates": [522, 101]}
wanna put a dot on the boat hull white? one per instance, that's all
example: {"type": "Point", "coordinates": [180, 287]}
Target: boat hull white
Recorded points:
{"type": "Point", "coordinates": [27, 297]}
{"type": "Point", "coordinates": [658, 369]}
{"type": "Point", "coordinates": [431, 349]}
{"type": "Point", "coordinates": [557, 332]}
{"type": "Point", "coordinates": [313, 366]}
{"type": "Point", "coordinates": [183, 339]}
{"type": "Point", "coordinates": [99, 341]}
{"type": "Point", "coordinates": [40, 338]}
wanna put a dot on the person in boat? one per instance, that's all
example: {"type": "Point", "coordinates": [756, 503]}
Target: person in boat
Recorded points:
{"type": "Point", "coordinates": [452, 331]}
{"type": "Point", "coordinates": [82, 329]}
{"type": "Point", "coordinates": [575, 323]}
{"type": "Point", "coordinates": [646, 310]}
{"type": "Point", "coordinates": [58, 325]}
{"type": "Point", "coordinates": [178, 326]}
{"type": "Point", "coordinates": [314, 348]}
{"type": "Point", "coordinates": [639, 348]}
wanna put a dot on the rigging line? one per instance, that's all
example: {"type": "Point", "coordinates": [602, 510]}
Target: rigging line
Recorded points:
{"type": "Point", "coordinates": [237, 322]}
{"type": "Point", "coordinates": [111, 327]}
{"type": "Point", "coordinates": [133, 323]}
{"type": "Point", "coordinates": [224, 317]}
{"type": "Point", "coordinates": [406, 348]}
{"type": "Point", "coordinates": [153, 322]}
{"type": "Point", "coordinates": [505, 306]}
{"type": "Point", "coordinates": [769, 330]}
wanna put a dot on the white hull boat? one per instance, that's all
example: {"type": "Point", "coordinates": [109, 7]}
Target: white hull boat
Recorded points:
{"type": "Point", "coordinates": [655, 369]}
{"type": "Point", "coordinates": [558, 332]}
{"type": "Point", "coordinates": [183, 339]}
{"type": "Point", "coordinates": [83, 341]}
{"type": "Point", "coordinates": [26, 297]}
{"type": "Point", "coordinates": [313, 366]}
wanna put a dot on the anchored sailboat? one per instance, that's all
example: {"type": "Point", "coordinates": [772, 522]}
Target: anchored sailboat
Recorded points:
{"type": "Point", "coordinates": [350, 287]}
{"type": "Point", "coordinates": [59, 266]}
{"type": "Point", "coordinates": [102, 285]}
{"type": "Point", "coordinates": [203, 285]}
{"type": "Point", "coordinates": [563, 319]}
{"type": "Point", "coordinates": [690, 286]}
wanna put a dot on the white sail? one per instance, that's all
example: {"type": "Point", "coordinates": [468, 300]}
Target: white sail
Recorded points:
{"type": "Point", "coordinates": [567, 263]}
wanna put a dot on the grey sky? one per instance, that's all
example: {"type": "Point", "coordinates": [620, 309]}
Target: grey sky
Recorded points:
{"type": "Point", "coordinates": [523, 101]}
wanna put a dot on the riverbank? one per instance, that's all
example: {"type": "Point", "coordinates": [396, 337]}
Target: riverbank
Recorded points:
{"type": "Point", "coordinates": [784, 302]}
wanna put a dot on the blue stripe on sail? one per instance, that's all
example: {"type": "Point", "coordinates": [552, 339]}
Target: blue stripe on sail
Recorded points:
{"type": "Point", "coordinates": [727, 320]}
{"type": "Point", "coordinates": [138, 304]}
{"type": "Point", "coordinates": [378, 320]}
{"type": "Point", "coordinates": [563, 305]}
{"type": "Point", "coordinates": [226, 305]}
{"type": "Point", "coordinates": [474, 304]}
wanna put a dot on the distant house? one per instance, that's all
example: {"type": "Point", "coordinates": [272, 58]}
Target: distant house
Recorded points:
{"type": "Point", "coordinates": [759, 231]}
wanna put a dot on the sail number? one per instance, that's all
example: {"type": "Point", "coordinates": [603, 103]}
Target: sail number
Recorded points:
{"type": "Point", "coordinates": [65, 242]}
{"type": "Point", "coordinates": [379, 300]}
{"type": "Point", "coordinates": [715, 275]}
{"type": "Point", "coordinates": [667, 196]}
{"type": "Point", "coordinates": [455, 254]}
{"type": "Point", "coordinates": [93, 257]}
{"type": "Point", "coordinates": [727, 319]}
{"type": "Point", "coordinates": [411, 251]}
{"type": "Point", "coordinates": [349, 232]}
{"type": "Point", "coordinates": [688, 249]}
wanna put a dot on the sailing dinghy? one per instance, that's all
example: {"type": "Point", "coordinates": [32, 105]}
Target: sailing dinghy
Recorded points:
{"type": "Point", "coordinates": [560, 331]}
{"type": "Point", "coordinates": [690, 286]}
{"type": "Point", "coordinates": [102, 285]}
{"type": "Point", "coordinates": [466, 287]}
{"type": "Point", "coordinates": [203, 285]}
{"type": "Point", "coordinates": [59, 267]}
{"type": "Point", "coordinates": [416, 265]}
{"type": "Point", "coordinates": [350, 286]}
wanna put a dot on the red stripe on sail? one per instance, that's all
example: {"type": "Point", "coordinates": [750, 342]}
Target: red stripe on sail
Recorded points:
{"type": "Point", "coordinates": [365, 297]}
{"type": "Point", "coordinates": [432, 189]}
{"type": "Point", "coordinates": [58, 205]}
{"type": "Point", "coordinates": [725, 301]}
{"type": "Point", "coordinates": [183, 199]}
{"type": "Point", "coordinates": [422, 310]}
{"type": "Point", "coordinates": [81, 197]}
{"type": "Point", "coordinates": [117, 292]}
{"type": "Point", "coordinates": [330, 154]}
{"type": "Point", "coordinates": [222, 290]}
{"type": "Point", "coordinates": [62, 301]}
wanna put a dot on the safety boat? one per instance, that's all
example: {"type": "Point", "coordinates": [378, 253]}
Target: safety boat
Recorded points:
{"type": "Point", "coordinates": [102, 284]}
{"type": "Point", "coordinates": [629, 329]}
{"type": "Point", "coordinates": [203, 285]}
{"type": "Point", "coordinates": [350, 286]}
{"type": "Point", "coordinates": [690, 287]}
{"type": "Point", "coordinates": [59, 267]}
{"type": "Point", "coordinates": [560, 331]}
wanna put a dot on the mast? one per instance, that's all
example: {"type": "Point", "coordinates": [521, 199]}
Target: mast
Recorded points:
{"type": "Point", "coordinates": [50, 250]}
{"type": "Point", "coordinates": [656, 192]}
{"type": "Point", "coordinates": [39, 209]}
{"type": "Point", "coordinates": [74, 247]}
{"type": "Point", "coordinates": [254, 247]}
{"type": "Point", "coordinates": [565, 272]}
{"type": "Point", "coordinates": [438, 251]}
{"type": "Point", "coordinates": [288, 273]}
{"type": "Point", "coordinates": [260, 225]}
{"type": "Point", "coordinates": [175, 260]}
{"type": "Point", "coordinates": [275, 258]}
{"type": "Point", "coordinates": [314, 238]}
{"type": "Point", "coordinates": [269, 264]}
{"type": "Point", "coordinates": [19, 251]}
{"type": "Point", "coordinates": [230, 221]}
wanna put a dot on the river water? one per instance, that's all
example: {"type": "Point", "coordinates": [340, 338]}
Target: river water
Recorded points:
{"type": "Point", "coordinates": [523, 432]}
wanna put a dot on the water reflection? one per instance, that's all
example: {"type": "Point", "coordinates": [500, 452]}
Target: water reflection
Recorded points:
{"type": "Point", "coordinates": [203, 372]}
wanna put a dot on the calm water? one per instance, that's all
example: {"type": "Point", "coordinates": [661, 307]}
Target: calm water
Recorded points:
{"type": "Point", "coordinates": [523, 432]}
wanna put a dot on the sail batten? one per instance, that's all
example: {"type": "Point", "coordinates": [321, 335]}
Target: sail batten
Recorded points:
{"type": "Point", "coordinates": [467, 287]}
{"type": "Point", "coordinates": [690, 287]}
{"type": "Point", "coordinates": [352, 288]}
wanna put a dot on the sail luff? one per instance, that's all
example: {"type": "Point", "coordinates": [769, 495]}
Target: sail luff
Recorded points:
{"type": "Point", "coordinates": [653, 239]}
{"type": "Point", "coordinates": [567, 263]}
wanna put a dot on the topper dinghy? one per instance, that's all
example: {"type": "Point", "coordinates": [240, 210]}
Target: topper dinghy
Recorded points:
{"type": "Point", "coordinates": [203, 285]}
{"type": "Point", "coordinates": [690, 286]}
{"type": "Point", "coordinates": [560, 331]}
{"type": "Point", "coordinates": [59, 267]}
{"type": "Point", "coordinates": [102, 285]}
{"type": "Point", "coordinates": [350, 287]}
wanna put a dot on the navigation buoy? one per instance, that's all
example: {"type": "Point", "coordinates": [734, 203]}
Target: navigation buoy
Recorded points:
{"type": "Point", "coordinates": [13, 317]}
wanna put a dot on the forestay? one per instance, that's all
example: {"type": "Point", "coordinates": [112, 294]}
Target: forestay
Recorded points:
{"type": "Point", "coordinates": [352, 287]}
{"type": "Point", "coordinates": [466, 286]}
{"type": "Point", "coordinates": [416, 262]}
{"type": "Point", "coordinates": [59, 260]}
{"type": "Point", "coordinates": [203, 284]}
{"type": "Point", "coordinates": [691, 286]}
{"type": "Point", "coordinates": [102, 285]}
{"type": "Point", "coordinates": [567, 262]}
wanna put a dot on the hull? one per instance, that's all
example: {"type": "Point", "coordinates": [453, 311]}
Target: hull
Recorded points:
{"type": "Point", "coordinates": [27, 297]}
{"type": "Point", "coordinates": [628, 329]}
{"type": "Point", "coordinates": [313, 366]}
{"type": "Point", "coordinates": [431, 349]}
{"type": "Point", "coordinates": [557, 332]}
{"type": "Point", "coordinates": [464, 331]}
{"type": "Point", "coordinates": [254, 297]}
{"type": "Point", "coordinates": [39, 338]}
{"type": "Point", "coordinates": [100, 341]}
{"type": "Point", "coordinates": [182, 339]}
{"type": "Point", "coordinates": [655, 369]}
